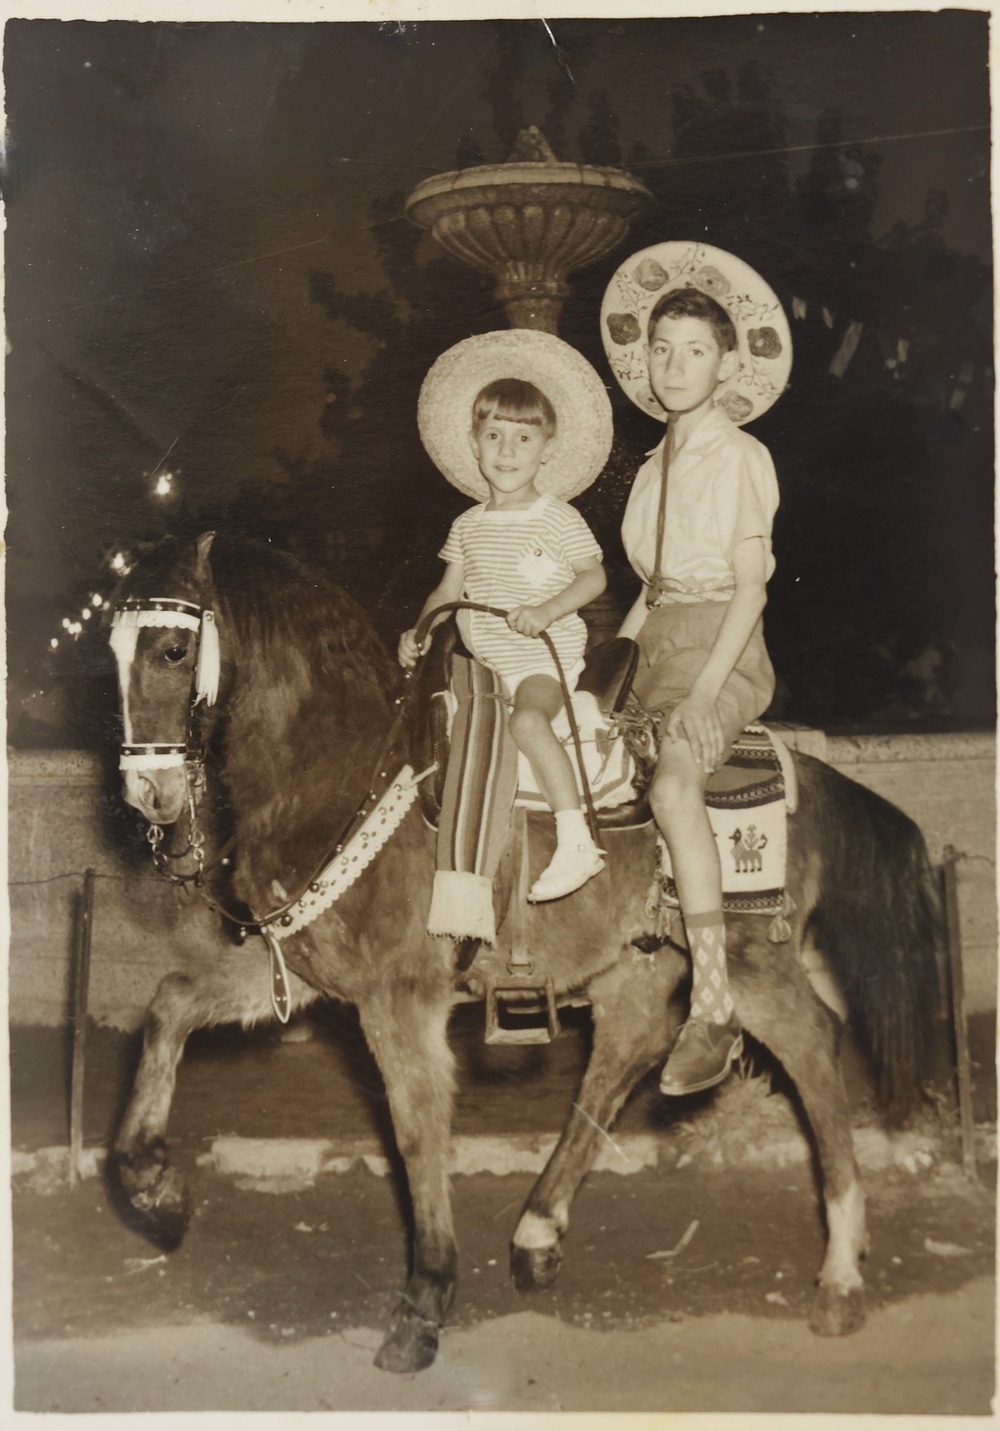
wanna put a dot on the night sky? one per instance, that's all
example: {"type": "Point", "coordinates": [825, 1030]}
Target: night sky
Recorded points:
{"type": "Point", "coordinates": [210, 284]}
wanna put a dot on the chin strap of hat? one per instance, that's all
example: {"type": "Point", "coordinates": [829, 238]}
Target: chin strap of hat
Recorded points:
{"type": "Point", "coordinates": [657, 582]}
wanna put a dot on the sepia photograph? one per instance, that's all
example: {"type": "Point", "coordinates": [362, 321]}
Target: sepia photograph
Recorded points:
{"type": "Point", "coordinates": [500, 666]}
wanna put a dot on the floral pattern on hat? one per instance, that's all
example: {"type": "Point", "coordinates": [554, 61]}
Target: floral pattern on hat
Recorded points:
{"type": "Point", "coordinates": [764, 341]}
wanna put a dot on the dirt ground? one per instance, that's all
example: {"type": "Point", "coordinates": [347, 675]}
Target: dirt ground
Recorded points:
{"type": "Point", "coordinates": [270, 1273]}
{"type": "Point", "coordinates": [275, 1299]}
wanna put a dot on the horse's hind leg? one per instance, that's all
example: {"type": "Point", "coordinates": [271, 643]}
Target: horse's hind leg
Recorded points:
{"type": "Point", "coordinates": [776, 1003]}
{"type": "Point", "coordinates": [633, 1025]}
{"type": "Point", "coordinates": [155, 1190]}
{"type": "Point", "coordinates": [406, 1029]}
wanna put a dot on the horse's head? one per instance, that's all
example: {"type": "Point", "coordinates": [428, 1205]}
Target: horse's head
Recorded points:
{"type": "Point", "coordinates": [165, 640]}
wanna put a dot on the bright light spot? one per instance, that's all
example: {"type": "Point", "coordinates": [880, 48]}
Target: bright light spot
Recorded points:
{"type": "Point", "coordinates": [66, 623]}
{"type": "Point", "coordinates": [54, 643]}
{"type": "Point", "coordinates": [97, 599]}
{"type": "Point", "coordinates": [164, 484]}
{"type": "Point", "coordinates": [118, 561]}
{"type": "Point", "coordinates": [86, 613]}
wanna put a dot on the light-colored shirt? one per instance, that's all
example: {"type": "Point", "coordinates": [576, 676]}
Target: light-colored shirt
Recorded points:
{"type": "Point", "coordinates": [520, 558]}
{"type": "Point", "coordinates": [721, 489]}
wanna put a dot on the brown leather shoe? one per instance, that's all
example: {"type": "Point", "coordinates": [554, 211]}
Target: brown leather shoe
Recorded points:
{"type": "Point", "coordinates": [702, 1056]}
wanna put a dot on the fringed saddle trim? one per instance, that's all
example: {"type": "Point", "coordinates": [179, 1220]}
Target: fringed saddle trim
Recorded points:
{"type": "Point", "coordinates": [462, 906]}
{"type": "Point", "coordinates": [663, 911]}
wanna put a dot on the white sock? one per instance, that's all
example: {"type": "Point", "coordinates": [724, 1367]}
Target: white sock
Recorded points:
{"type": "Point", "coordinates": [572, 828]}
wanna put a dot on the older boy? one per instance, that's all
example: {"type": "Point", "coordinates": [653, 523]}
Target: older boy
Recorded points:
{"type": "Point", "coordinates": [697, 530]}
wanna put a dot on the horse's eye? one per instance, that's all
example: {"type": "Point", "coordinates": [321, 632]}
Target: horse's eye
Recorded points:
{"type": "Point", "coordinates": [174, 654]}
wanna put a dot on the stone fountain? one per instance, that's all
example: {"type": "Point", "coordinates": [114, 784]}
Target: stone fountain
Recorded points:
{"type": "Point", "coordinates": [530, 221]}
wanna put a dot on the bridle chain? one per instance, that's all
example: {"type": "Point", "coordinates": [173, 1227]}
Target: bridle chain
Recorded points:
{"type": "Point", "coordinates": [169, 611]}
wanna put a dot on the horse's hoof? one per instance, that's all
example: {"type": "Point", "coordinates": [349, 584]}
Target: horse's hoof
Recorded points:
{"type": "Point", "coordinates": [410, 1344]}
{"type": "Point", "coordinates": [835, 1313]}
{"type": "Point", "coordinates": [157, 1196]}
{"type": "Point", "coordinates": [532, 1268]}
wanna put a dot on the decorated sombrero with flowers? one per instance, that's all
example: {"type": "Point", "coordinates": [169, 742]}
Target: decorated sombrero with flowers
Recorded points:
{"type": "Point", "coordinates": [764, 340]}
{"type": "Point", "coordinates": [582, 440]}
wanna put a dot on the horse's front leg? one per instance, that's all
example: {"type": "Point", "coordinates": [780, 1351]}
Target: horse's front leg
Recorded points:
{"type": "Point", "coordinates": [406, 1028]}
{"type": "Point", "coordinates": [236, 990]}
{"type": "Point", "coordinates": [635, 1020]}
{"type": "Point", "coordinates": [777, 1004]}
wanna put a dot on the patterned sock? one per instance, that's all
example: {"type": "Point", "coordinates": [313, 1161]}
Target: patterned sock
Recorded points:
{"type": "Point", "coordinates": [710, 997]}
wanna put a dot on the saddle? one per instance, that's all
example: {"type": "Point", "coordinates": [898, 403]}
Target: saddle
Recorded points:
{"type": "Point", "coordinates": [758, 771]}
{"type": "Point", "coordinates": [609, 669]}
{"type": "Point", "coordinates": [486, 913]}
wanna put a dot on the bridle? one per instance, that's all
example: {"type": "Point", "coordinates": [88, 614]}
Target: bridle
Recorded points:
{"type": "Point", "coordinates": [189, 755]}
{"type": "Point", "coordinates": [129, 617]}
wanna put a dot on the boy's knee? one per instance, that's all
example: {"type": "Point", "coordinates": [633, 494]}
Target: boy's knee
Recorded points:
{"type": "Point", "coordinates": [675, 789]}
{"type": "Point", "coordinates": [527, 724]}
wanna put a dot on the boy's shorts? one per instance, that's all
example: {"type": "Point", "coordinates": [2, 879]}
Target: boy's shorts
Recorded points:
{"type": "Point", "coordinates": [674, 644]}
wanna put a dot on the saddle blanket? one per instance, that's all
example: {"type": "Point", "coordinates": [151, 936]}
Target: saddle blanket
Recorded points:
{"type": "Point", "coordinates": [747, 802]}
{"type": "Point", "coordinates": [608, 765]}
{"type": "Point", "coordinates": [485, 777]}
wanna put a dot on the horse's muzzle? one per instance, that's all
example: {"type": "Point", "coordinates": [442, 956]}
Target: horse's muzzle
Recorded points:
{"type": "Point", "coordinates": [160, 795]}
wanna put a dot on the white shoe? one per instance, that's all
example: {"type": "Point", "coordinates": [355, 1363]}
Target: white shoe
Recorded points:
{"type": "Point", "coordinates": [570, 867]}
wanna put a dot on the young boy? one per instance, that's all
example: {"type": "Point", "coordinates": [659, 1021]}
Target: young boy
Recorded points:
{"type": "Point", "coordinates": [697, 530]}
{"type": "Point", "coordinates": [526, 551]}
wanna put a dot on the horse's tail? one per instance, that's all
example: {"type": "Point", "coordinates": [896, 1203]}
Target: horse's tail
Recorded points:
{"type": "Point", "coordinates": [878, 922]}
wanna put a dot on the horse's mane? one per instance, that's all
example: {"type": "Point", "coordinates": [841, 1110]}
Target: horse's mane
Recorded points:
{"type": "Point", "coordinates": [275, 603]}
{"type": "Point", "coordinates": [278, 602]}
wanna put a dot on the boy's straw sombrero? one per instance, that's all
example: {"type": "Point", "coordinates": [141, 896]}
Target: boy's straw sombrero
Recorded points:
{"type": "Point", "coordinates": [582, 439]}
{"type": "Point", "coordinates": [763, 337]}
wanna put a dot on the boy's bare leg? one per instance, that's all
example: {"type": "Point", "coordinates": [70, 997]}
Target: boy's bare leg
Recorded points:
{"type": "Point", "coordinates": [711, 1039]}
{"type": "Point", "coordinates": [537, 702]}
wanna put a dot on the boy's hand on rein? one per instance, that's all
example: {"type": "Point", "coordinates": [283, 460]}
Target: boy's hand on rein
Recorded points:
{"type": "Point", "coordinates": [529, 620]}
{"type": "Point", "coordinates": [697, 719]}
{"type": "Point", "coordinates": [408, 651]}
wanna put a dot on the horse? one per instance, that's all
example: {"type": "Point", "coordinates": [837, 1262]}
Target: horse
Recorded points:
{"type": "Point", "coordinates": [306, 702]}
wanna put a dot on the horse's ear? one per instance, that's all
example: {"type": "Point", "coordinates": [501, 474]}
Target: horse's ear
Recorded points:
{"type": "Point", "coordinates": [202, 548]}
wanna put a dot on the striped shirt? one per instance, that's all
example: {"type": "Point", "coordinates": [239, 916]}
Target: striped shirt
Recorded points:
{"type": "Point", "coordinates": [520, 558]}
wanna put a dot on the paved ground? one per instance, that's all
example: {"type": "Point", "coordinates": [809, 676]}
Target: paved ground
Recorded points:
{"type": "Point", "coordinates": [276, 1297]}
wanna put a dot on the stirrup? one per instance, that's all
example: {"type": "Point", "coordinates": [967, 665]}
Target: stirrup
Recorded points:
{"type": "Point", "coordinates": [525, 996]}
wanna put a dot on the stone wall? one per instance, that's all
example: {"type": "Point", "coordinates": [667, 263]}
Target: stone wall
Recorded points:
{"type": "Point", "coordinates": [65, 816]}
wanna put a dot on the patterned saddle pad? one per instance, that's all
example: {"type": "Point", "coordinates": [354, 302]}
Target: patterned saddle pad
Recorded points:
{"type": "Point", "coordinates": [747, 802]}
